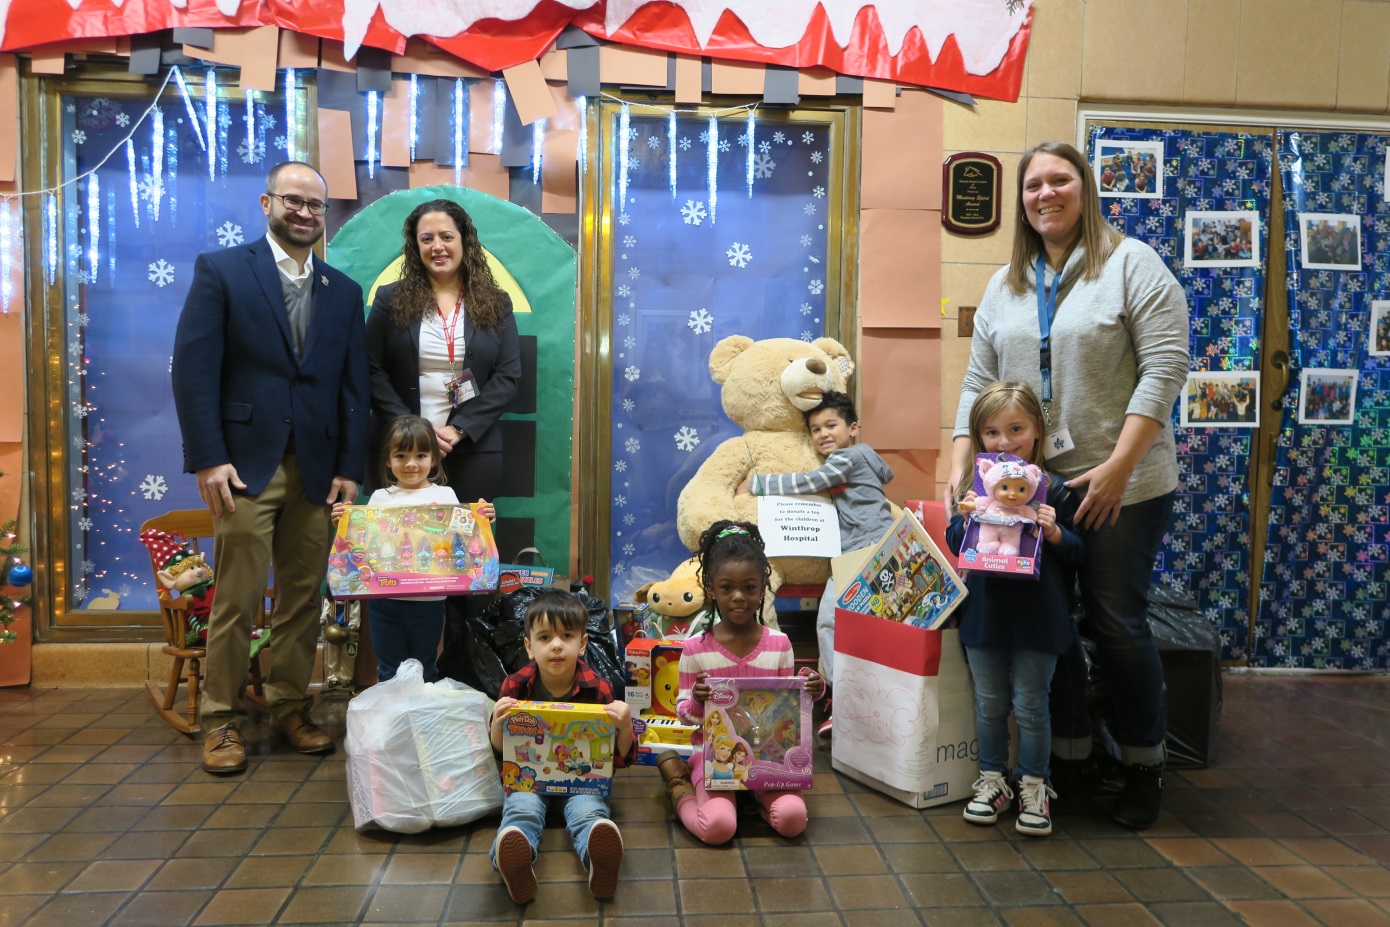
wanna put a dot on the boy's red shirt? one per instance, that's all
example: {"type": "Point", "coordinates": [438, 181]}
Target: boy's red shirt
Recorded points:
{"type": "Point", "coordinates": [589, 689]}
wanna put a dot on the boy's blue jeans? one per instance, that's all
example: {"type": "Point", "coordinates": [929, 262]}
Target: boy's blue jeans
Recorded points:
{"type": "Point", "coordinates": [526, 810]}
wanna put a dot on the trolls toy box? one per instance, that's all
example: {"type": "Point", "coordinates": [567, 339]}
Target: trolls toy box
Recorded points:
{"type": "Point", "coordinates": [905, 578]}
{"type": "Point", "coordinates": [1001, 533]}
{"type": "Point", "coordinates": [758, 734]}
{"type": "Point", "coordinates": [653, 672]}
{"type": "Point", "coordinates": [557, 748]}
{"type": "Point", "coordinates": [412, 550]}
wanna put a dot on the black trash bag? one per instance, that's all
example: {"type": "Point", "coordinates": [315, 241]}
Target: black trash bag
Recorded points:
{"type": "Point", "coordinates": [489, 645]}
{"type": "Point", "coordinates": [1190, 649]}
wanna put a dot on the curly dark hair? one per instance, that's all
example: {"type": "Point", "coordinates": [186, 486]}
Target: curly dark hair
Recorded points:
{"type": "Point", "coordinates": [837, 401]}
{"type": "Point", "coordinates": [730, 541]}
{"type": "Point", "coordinates": [483, 299]}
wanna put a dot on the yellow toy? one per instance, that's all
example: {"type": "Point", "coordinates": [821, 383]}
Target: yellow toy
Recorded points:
{"type": "Point", "coordinates": [672, 604]}
{"type": "Point", "coordinates": [666, 682]}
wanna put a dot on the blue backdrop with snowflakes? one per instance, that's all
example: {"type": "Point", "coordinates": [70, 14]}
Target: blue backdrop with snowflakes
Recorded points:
{"type": "Point", "coordinates": [1206, 552]}
{"type": "Point", "coordinates": [120, 248]}
{"type": "Point", "coordinates": [713, 235]}
{"type": "Point", "coordinates": [1324, 589]}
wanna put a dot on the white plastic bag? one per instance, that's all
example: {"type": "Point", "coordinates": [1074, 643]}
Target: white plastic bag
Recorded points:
{"type": "Point", "coordinates": [418, 754]}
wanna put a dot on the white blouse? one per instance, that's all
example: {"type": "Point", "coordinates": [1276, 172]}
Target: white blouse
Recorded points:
{"type": "Point", "coordinates": [435, 369]}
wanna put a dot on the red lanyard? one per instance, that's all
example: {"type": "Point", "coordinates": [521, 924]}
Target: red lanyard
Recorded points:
{"type": "Point", "coordinates": [450, 325]}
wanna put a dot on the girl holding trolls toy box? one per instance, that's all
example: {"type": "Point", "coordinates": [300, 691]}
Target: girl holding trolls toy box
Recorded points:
{"type": "Point", "coordinates": [733, 642]}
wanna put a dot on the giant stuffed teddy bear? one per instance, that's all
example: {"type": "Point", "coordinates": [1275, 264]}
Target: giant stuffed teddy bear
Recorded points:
{"type": "Point", "coordinates": [767, 386]}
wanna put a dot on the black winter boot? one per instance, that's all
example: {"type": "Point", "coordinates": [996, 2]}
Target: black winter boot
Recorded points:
{"type": "Point", "coordinates": [1137, 806]}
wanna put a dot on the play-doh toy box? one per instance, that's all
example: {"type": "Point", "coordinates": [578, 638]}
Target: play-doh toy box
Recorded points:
{"type": "Point", "coordinates": [653, 672]}
{"type": "Point", "coordinates": [758, 734]}
{"type": "Point", "coordinates": [1001, 534]}
{"type": "Point", "coordinates": [557, 748]}
{"type": "Point", "coordinates": [657, 733]}
{"type": "Point", "coordinates": [401, 551]}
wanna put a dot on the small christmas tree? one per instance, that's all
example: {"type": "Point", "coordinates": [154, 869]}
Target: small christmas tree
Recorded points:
{"type": "Point", "coordinates": [14, 573]}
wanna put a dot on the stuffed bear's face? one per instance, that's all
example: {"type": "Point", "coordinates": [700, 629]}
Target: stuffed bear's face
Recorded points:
{"type": "Point", "coordinates": [677, 597]}
{"type": "Point", "coordinates": [768, 384]}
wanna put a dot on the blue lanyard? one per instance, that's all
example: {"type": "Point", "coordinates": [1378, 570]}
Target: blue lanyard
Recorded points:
{"type": "Point", "coordinates": [1047, 311]}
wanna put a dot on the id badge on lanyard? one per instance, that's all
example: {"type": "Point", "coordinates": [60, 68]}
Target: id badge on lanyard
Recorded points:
{"type": "Point", "coordinates": [1058, 440]}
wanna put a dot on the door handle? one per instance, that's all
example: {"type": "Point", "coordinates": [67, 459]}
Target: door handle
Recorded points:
{"type": "Point", "coordinates": [1279, 360]}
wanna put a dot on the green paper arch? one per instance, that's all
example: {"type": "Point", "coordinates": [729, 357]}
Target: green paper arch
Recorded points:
{"type": "Point", "coordinates": [543, 266]}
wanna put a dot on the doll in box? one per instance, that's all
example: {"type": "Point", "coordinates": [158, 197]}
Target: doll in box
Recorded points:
{"type": "Point", "coordinates": [1007, 504]}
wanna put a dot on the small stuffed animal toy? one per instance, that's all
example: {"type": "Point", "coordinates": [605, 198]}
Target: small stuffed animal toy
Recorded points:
{"type": "Point", "coordinates": [1003, 510]}
{"type": "Point", "coordinates": [184, 574]}
{"type": "Point", "coordinates": [672, 604]}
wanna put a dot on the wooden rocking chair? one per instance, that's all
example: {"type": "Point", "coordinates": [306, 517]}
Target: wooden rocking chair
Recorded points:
{"type": "Point", "coordinates": [193, 525]}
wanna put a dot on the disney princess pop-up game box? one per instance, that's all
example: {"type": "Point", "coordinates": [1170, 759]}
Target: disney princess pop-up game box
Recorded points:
{"type": "Point", "coordinates": [758, 734]}
{"type": "Point", "coordinates": [412, 550]}
{"type": "Point", "coordinates": [558, 748]}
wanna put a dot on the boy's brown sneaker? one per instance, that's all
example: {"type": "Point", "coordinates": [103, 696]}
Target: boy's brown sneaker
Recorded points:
{"type": "Point", "coordinates": [605, 858]}
{"type": "Point", "coordinates": [514, 863]}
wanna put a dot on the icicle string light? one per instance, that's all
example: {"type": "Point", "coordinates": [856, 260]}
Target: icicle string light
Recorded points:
{"type": "Point", "coordinates": [372, 104]}
{"type": "Point", "coordinates": [291, 116]}
{"type": "Point", "coordinates": [188, 105]}
{"type": "Point", "coordinates": [134, 181]}
{"type": "Point", "coordinates": [624, 152]}
{"type": "Point", "coordinates": [250, 99]}
{"type": "Point", "coordinates": [6, 256]}
{"type": "Point", "coordinates": [712, 165]}
{"type": "Point", "coordinates": [157, 167]}
{"type": "Point", "coordinates": [459, 116]}
{"type": "Point", "coordinates": [210, 109]}
{"type": "Point", "coordinates": [414, 115]}
{"type": "Point", "coordinates": [671, 151]}
{"type": "Point", "coordinates": [93, 225]}
{"type": "Point", "coordinates": [111, 233]}
{"type": "Point", "coordinates": [752, 152]}
{"type": "Point", "coordinates": [583, 105]}
{"type": "Point", "coordinates": [499, 114]}
{"type": "Point", "coordinates": [170, 185]}
{"type": "Point", "coordinates": [537, 148]}
{"type": "Point", "coordinates": [50, 212]}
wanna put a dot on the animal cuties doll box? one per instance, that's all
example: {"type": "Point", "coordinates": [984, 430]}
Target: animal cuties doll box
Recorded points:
{"type": "Point", "coordinates": [412, 550]}
{"type": "Point", "coordinates": [653, 672]}
{"type": "Point", "coordinates": [758, 734]}
{"type": "Point", "coordinates": [1001, 527]}
{"type": "Point", "coordinates": [558, 748]}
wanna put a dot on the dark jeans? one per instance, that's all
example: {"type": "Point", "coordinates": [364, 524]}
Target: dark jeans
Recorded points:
{"type": "Point", "coordinates": [1115, 591]}
{"type": "Point", "coordinates": [402, 629]}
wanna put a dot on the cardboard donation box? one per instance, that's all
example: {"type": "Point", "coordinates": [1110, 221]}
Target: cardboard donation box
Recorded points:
{"type": "Point", "coordinates": [758, 734]}
{"type": "Point", "coordinates": [1002, 535]}
{"type": "Point", "coordinates": [653, 675]}
{"type": "Point", "coordinates": [401, 551]}
{"type": "Point", "coordinates": [558, 748]}
{"type": "Point", "coordinates": [904, 710]}
{"type": "Point", "coordinates": [905, 578]}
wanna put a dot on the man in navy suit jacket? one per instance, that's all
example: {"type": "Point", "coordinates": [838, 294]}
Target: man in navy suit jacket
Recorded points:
{"type": "Point", "coordinates": [272, 391]}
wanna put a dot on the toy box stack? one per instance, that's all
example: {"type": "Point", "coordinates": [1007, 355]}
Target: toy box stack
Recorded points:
{"type": "Point", "coordinates": [758, 734]}
{"type": "Point", "coordinates": [1001, 535]}
{"type": "Point", "coordinates": [653, 681]}
{"type": "Point", "coordinates": [412, 550]}
{"type": "Point", "coordinates": [556, 748]}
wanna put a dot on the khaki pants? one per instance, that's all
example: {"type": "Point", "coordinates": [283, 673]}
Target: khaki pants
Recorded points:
{"type": "Point", "coordinates": [283, 526]}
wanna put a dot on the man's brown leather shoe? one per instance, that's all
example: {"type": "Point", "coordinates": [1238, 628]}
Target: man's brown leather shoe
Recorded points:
{"type": "Point", "coordinates": [302, 733]}
{"type": "Point", "coordinates": [223, 750]}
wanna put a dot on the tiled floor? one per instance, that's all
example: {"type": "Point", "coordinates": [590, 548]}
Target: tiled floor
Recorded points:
{"type": "Point", "coordinates": [105, 818]}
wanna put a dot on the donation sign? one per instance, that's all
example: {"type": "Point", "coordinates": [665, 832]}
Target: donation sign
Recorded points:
{"type": "Point", "coordinates": [799, 526]}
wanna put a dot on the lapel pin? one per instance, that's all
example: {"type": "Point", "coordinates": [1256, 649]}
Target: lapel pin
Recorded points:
{"type": "Point", "coordinates": [324, 279]}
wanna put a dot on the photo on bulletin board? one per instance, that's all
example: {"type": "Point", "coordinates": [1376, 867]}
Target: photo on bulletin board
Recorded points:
{"type": "Point", "coordinates": [1221, 399]}
{"type": "Point", "coordinates": [1128, 168]}
{"type": "Point", "coordinates": [1222, 239]}
{"type": "Point", "coordinates": [1326, 396]}
{"type": "Point", "coordinates": [1385, 187]}
{"type": "Point", "coordinates": [1331, 241]}
{"type": "Point", "coordinates": [1379, 340]}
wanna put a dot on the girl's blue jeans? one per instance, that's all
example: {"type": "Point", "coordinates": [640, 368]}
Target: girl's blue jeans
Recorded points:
{"type": "Point", "coordinates": [404, 628]}
{"type": "Point", "coordinates": [1019, 679]}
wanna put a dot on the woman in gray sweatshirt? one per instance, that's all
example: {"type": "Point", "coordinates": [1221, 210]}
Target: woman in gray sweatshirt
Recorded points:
{"type": "Point", "coordinates": [1114, 362]}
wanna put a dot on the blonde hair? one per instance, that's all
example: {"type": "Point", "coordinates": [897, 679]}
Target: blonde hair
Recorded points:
{"type": "Point", "coordinates": [1098, 237]}
{"type": "Point", "coordinates": [993, 400]}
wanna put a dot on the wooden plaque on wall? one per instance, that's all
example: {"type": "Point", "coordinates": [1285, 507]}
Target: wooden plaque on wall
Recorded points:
{"type": "Point", "coordinates": [970, 193]}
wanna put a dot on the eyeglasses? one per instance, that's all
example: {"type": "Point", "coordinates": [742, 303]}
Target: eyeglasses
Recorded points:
{"type": "Point", "coordinates": [295, 204]}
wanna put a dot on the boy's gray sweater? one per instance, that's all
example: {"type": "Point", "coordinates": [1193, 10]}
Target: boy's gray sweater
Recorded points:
{"type": "Point", "coordinates": [863, 509]}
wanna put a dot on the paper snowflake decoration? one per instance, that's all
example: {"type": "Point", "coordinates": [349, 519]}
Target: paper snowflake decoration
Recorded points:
{"type": "Point", "coordinates": [161, 273]}
{"type": "Point", "coordinates": [685, 144]}
{"type": "Point", "coordinates": [653, 142]}
{"type": "Point", "coordinates": [149, 188]}
{"type": "Point", "coordinates": [764, 166]}
{"type": "Point", "coordinates": [808, 138]}
{"type": "Point", "coordinates": [724, 144]}
{"type": "Point", "coordinates": [153, 487]}
{"type": "Point", "coordinates": [693, 212]}
{"type": "Point", "coordinates": [765, 146]}
{"type": "Point", "coordinates": [805, 308]}
{"type": "Point", "coordinates": [620, 466]}
{"type": "Point", "coordinates": [250, 154]}
{"type": "Point", "coordinates": [78, 136]}
{"type": "Point", "coordinates": [805, 241]}
{"type": "Point", "coordinates": [816, 156]}
{"type": "Point", "coordinates": [739, 255]}
{"type": "Point", "coordinates": [779, 137]}
{"type": "Point", "coordinates": [624, 218]}
{"type": "Point", "coordinates": [700, 321]}
{"type": "Point", "coordinates": [632, 445]}
{"type": "Point", "coordinates": [620, 501]}
{"type": "Point", "coordinates": [633, 273]}
{"type": "Point", "coordinates": [85, 524]}
{"type": "Point", "coordinates": [809, 208]}
{"type": "Point", "coordinates": [687, 438]}
{"type": "Point", "coordinates": [816, 287]}
{"type": "Point", "coordinates": [818, 192]}
{"type": "Point", "coordinates": [632, 374]}
{"type": "Point", "coordinates": [122, 120]}
{"type": "Point", "coordinates": [229, 235]}
{"type": "Point", "coordinates": [629, 241]}
{"type": "Point", "coordinates": [629, 405]}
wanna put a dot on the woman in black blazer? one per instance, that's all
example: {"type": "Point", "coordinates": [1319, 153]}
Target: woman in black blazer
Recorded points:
{"type": "Point", "coordinates": [442, 343]}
